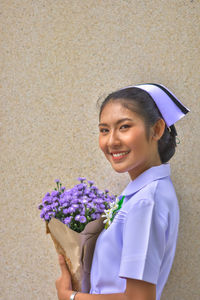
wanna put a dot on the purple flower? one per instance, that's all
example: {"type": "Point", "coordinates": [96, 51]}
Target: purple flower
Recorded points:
{"type": "Point", "coordinates": [62, 201]}
{"type": "Point", "coordinates": [65, 211]}
{"type": "Point", "coordinates": [81, 179]}
{"type": "Point", "coordinates": [79, 193]}
{"type": "Point", "coordinates": [67, 220]}
{"type": "Point", "coordinates": [46, 217]}
{"type": "Point", "coordinates": [90, 182]}
{"type": "Point", "coordinates": [52, 213]}
{"type": "Point", "coordinates": [46, 200]}
{"type": "Point", "coordinates": [81, 206]}
{"type": "Point", "coordinates": [101, 194]}
{"type": "Point", "coordinates": [77, 218]}
{"type": "Point", "coordinates": [98, 216]}
{"type": "Point", "coordinates": [82, 219]}
{"type": "Point", "coordinates": [65, 205]}
{"type": "Point", "coordinates": [42, 214]}
{"type": "Point", "coordinates": [94, 189]}
{"type": "Point", "coordinates": [71, 209]}
{"type": "Point", "coordinates": [76, 206]}
{"type": "Point", "coordinates": [92, 195]}
{"type": "Point", "coordinates": [45, 209]}
{"type": "Point", "coordinates": [48, 208]}
{"type": "Point", "coordinates": [85, 200]}
{"type": "Point", "coordinates": [102, 206]}
{"type": "Point", "coordinates": [65, 197]}
{"type": "Point", "coordinates": [54, 205]}
{"type": "Point", "coordinates": [98, 201]}
{"type": "Point", "coordinates": [82, 212]}
{"type": "Point", "coordinates": [80, 186]}
{"type": "Point", "coordinates": [90, 205]}
{"type": "Point", "coordinates": [54, 193]}
{"type": "Point", "coordinates": [93, 216]}
{"type": "Point", "coordinates": [75, 200]}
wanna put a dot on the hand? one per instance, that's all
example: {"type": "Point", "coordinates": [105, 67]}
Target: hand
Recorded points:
{"type": "Point", "coordinates": [63, 283]}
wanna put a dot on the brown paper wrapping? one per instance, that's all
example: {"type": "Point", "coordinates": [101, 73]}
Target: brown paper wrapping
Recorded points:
{"type": "Point", "coordinates": [77, 248]}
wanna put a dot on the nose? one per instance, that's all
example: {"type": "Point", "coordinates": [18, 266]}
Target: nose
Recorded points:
{"type": "Point", "coordinates": [113, 140]}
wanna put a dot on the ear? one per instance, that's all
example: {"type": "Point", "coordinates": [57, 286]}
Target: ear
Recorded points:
{"type": "Point", "coordinates": [158, 129]}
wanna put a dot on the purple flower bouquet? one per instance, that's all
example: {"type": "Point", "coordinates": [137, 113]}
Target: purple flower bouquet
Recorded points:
{"type": "Point", "coordinates": [73, 219]}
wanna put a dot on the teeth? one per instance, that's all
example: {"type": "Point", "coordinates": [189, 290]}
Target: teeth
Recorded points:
{"type": "Point", "coordinates": [119, 154]}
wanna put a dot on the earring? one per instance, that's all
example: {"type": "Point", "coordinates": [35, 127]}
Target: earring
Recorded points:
{"type": "Point", "coordinates": [177, 141]}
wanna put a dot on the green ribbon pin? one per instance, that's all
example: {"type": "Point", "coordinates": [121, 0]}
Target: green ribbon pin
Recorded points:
{"type": "Point", "coordinates": [118, 208]}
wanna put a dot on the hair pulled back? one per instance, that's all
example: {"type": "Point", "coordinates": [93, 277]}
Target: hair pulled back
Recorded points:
{"type": "Point", "coordinates": [140, 102]}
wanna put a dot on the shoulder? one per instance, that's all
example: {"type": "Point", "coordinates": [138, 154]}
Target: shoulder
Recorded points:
{"type": "Point", "coordinates": [159, 195]}
{"type": "Point", "coordinates": [161, 188]}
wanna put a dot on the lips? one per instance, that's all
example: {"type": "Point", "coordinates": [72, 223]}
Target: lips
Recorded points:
{"type": "Point", "coordinates": [119, 155]}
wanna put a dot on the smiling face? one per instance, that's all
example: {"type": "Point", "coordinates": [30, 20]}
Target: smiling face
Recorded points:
{"type": "Point", "coordinates": [123, 139]}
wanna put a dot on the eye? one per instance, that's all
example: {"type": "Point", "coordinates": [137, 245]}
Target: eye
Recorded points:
{"type": "Point", "coordinates": [103, 130]}
{"type": "Point", "coordinates": [125, 126]}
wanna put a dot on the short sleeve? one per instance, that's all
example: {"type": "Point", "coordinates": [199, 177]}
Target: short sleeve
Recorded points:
{"type": "Point", "coordinates": [143, 242]}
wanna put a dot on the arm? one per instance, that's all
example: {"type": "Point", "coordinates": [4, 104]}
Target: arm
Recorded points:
{"type": "Point", "coordinates": [135, 289]}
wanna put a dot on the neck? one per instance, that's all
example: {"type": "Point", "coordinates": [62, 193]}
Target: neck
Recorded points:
{"type": "Point", "coordinates": [155, 161]}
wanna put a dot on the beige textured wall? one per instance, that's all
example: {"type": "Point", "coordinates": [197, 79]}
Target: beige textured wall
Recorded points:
{"type": "Point", "coordinates": [57, 58]}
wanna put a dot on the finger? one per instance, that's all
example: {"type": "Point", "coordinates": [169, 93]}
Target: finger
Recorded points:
{"type": "Point", "coordinates": [63, 266]}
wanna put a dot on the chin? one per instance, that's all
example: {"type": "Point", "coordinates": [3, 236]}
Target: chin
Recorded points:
{"type": "Point", "coordinates": [119, 170]}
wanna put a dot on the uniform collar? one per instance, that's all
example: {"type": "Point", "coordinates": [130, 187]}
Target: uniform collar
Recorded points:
{"type": "Point", "coordinates": [147, 177]}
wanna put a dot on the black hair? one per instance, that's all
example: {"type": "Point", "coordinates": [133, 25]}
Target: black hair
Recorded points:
{"type": "Point", "coordinates": [141, 102]}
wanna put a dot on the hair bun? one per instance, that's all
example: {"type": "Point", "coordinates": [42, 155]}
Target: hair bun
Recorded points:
{"type": "Point", "coordinates": [167, 144]}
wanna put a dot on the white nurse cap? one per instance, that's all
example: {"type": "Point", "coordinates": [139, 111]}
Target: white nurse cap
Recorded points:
{"type": "Point", "coordinates": [169, 106]}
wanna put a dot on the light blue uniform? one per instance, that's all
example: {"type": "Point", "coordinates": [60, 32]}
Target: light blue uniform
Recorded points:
{"type": "Point", "coordinates": [141, 241]}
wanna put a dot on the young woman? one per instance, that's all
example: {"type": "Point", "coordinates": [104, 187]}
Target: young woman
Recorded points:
{"type": "Point", "coordinates": [134, 255]}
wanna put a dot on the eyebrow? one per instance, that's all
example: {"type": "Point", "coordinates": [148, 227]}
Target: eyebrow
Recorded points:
{"type": "Point", "coordinates": [118, 122]}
